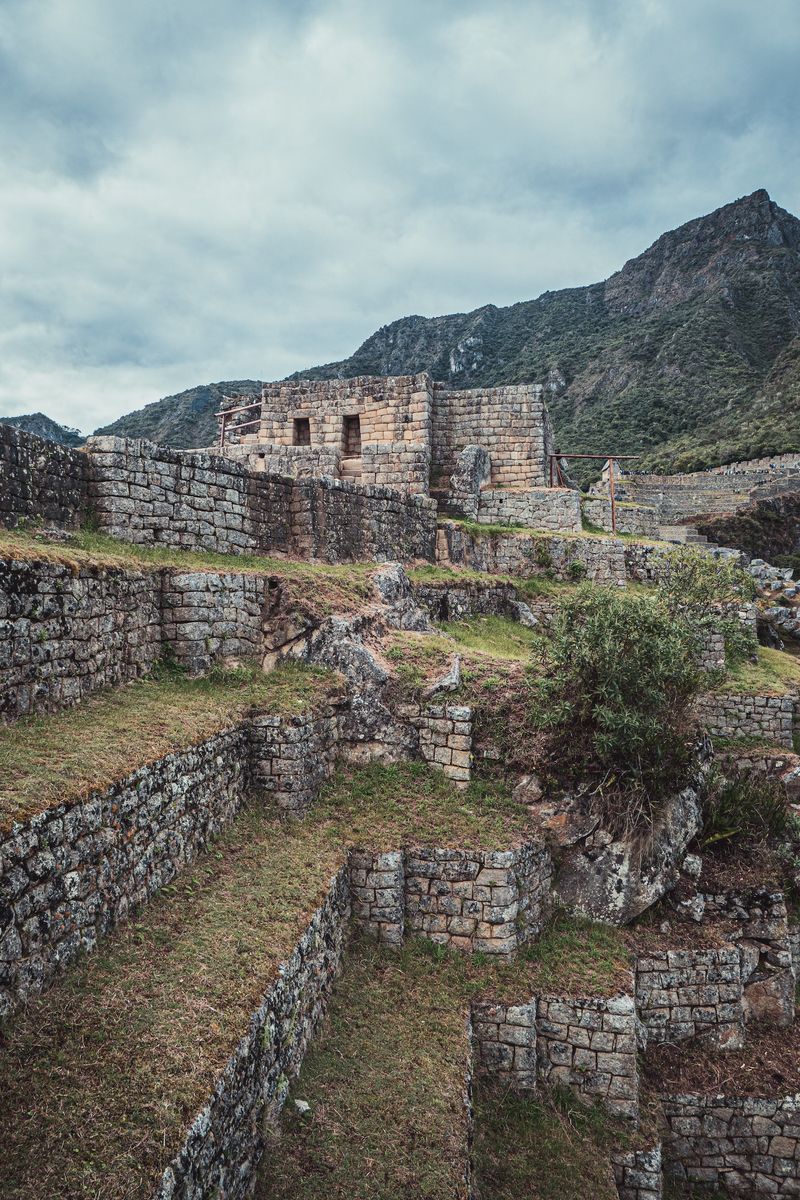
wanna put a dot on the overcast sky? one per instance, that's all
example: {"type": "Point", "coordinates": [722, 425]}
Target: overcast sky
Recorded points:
{"type": "Point", "coordinates": [219, 189]}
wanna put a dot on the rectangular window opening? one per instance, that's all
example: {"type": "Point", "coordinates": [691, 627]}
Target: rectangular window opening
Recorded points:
{"type": "Point", "coordinates": [301, 432]}
{"type": "Point", "coordinates": [351, 437]}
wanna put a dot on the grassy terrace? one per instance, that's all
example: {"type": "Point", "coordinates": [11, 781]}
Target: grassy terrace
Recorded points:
{"type": "Point", "coordinates": [46, 760]}
{"type": "Point", "coordinates": [385, 1083]}
{"type": "Point", "coordinates": [100, 1077]}
{"type": "Point", "coordinates": [340, 587]}
{"type": "Point", "coordinates": [775, 673]}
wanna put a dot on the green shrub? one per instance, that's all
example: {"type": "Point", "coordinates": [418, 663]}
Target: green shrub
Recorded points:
{"type": "Point", "coordinates": [693, 579]}
{"type": "Point", "coordinates": [577, 570]}
{"type": "Point", "coordinates": [745, 808]}
{"type": "Point", "coordinates": [619, 680]}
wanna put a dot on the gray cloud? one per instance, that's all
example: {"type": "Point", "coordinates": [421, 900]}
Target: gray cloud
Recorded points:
{"type": "Point", "coordinates": [215, 190]}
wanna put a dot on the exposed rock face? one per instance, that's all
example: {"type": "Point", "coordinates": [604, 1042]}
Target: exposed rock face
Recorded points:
{"type": "Point", "coordinates": [618, 881]}
{"type": "Point", "coordinates": [472, 472]}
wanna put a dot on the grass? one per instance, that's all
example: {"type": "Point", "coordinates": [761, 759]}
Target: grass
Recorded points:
{"type": "Point", "coordinates": [341, 587]}
{"type": "Point", "coordinates": [386, 1087]}
{"type": "Point", "coordinates": [542, 1147]}
{"type": "Point", "coordinates": [576, 956]}
{"type": "Point", "coordinates": [100, 1078]}
{"type": "Point", "coordinates": [774, 674]}
{"type": "Point", "coordinates": [47, 760]}
{"type": "Point", "coordinates": [499, 637]}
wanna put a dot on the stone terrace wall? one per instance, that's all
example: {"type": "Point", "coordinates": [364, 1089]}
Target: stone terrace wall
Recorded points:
{"type": "Point", "coordinates": [729, 715]}
{"type": "Point", "coordinates": [637, 1173]}
{"type": "Point", "coordinates": [643, 522]}
{"type": "Point", "coordinates": [470, 900]}
{"type": "Point", "coordinates": [221, 1153]}
{"type": "Point", "coordinates": [291, 757]}
{"type": "Point", "coordinates": [601, 559]}
{"type": "Point", "coordinates": [40, 480]}
{"type": "Point", "coordinates": [536, 508]}
{"type": "Point", "coordinates": [74, 871]}
{"type": "Point", "coordinates": [504, 1037]}
{"type": "Point", "coordinates": [151, 495]}
{"type": "Point", "coordinates": [63, 635]}
{"type": "Point", "coordinates": [683, 994]}
{"type": "Point", "coordinates": [510, 422]}
{"type": "Point", "coordinates": [589, 1045]}
{"type": "Point", "coordinates": [745, 1145]}
{"type": "Point", "coordinates": [207, 616]}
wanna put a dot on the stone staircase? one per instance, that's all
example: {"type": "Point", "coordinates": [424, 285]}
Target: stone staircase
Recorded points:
{"type": "Point", "coordinates": [684, 535]}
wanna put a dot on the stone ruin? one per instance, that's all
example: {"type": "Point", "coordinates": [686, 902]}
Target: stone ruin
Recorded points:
{"type": "Point", "coordinates": [484, 454]}
{"type": "Point", "coordinates": [354, 471]}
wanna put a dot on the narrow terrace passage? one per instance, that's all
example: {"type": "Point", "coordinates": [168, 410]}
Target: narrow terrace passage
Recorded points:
{"type": "Point", "coordinates": [385, 1085]}
{"type": "Point", "coordinates": [101, 1077]}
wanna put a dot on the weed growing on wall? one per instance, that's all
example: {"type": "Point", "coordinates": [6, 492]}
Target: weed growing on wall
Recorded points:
{"type": "Point", "coordinates": [614, 701]}
{"type": "Point", "coordinates": [746, 809]}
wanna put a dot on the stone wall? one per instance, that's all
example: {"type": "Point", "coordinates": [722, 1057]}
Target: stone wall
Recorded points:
{"type": "Point", "coordinates": [221, 1152]}
{"type": "Point", "coordinates": [589, 1045]}
{"type": "Point", "coordinates": [535, 508]}
{"type": "Point", "coordinates": [394, 415]}
{"type": "Point", "coordinates": [291, 757]}
{"type": "Point", "coordinates": [75, 870]}
{"type": "Point", "coordinates": [151, 495]}
{"type": "Point", "coordinates": [456, 601]}
{"type": "Point", "coordinates": [445, 740]}
{"type": "Point", "coordinates": [504, 1037]}
{"type": "Point", "coordinates": [746, 1145]}
{"type": "Point", "coordinates": [731, 715]}
{"type": "Point", "coordinates": [64, 634]}
{"type": "Point", "coordinates": [635, 519]}
{"type": "Point", "coordinates": [596, 558]}
{"type": "Point", "coordinates": [510, 422]}
{"type": "Point", "coordinates": [682, 994]}
{"type": "Point", "coordinates": [40, 481]}
{"type": "Point", "coordinates": [207, 616]}
{"type": "Point", "coordinates": [638, 1173]}
{"type": "Point", "coordinates": [491, 901]}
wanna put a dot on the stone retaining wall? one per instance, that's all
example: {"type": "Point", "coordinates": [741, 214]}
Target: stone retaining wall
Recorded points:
{"type": "Point", "coordinates": [746, 1145]}
{"type": "Point", "coordinates": [208, 616]}
{"type": "Point", "coordinates": [732, 715]}
{"type": "Point", "coordinates": [64, 634]}
{"type": "Point", "coordinates": [491, 901]}
{"type": "Point", "coordinates": [536, 508]}
{"type": "Point", "coordinates": [221, 1152]}
{"type": "Point", "coordinates": [504, 1037]}
{"type": "Point", "coordinates": [589, 1045]}
{"type": "Point", "coordinates": [597, 558]}
{"type": "Point", "coordinates": [40, 480]}
{"type": "Point", "coordinates": [641, 521]}
{"type": "Point", "coordinates": [445, 739]}
{"type": "Point", "coordinates": [682, 994]}
{"type": "Point", "coordinates": [72, 872]}
{"type": "Point", "coordinates": [638, 1173]}
{"type": "Point", "coordinates": [151, 494]}
{"type": "Point", "coordinates": [291, 757]}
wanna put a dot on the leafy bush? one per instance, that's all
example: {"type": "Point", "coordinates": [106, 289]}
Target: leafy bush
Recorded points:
{"type": "Point", "coordinates": [745, 808]}
{"type": "Point", "coordinates": [620, 677]}
{"type": "Point", "coordinates": [693, 579]}
{"type": "Point", "coordinates": [577, 570]}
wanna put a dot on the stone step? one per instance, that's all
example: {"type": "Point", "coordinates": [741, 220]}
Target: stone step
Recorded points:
{"type": "Point", "coordinates": [685, 535]}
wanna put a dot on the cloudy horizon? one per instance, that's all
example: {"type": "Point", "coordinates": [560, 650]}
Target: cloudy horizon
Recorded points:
{"type": "Point", "coordinates": [195, 193]}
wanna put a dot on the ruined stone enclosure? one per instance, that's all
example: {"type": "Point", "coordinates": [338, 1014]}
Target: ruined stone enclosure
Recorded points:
{"type": "Point", "coordinates": [281, 913]}
{"type": "Point", "coordinates": [484, 453]}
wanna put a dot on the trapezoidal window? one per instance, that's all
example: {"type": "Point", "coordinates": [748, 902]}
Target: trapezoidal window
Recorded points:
{"type": "Point", "coordinates": [351, 437]}
{"type": "Point", "coordinates": [301, 431]}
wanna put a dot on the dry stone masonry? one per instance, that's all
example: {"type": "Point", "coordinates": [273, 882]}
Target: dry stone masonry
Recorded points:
{"type": "Point", "coordinates": [64, 634]}
{"type": "Point", "coordinates": [734, 715]}
{"type": "Point", "coordinates": [691, 993]}
{"type": "Point", "coordinates": [40, 481]}
{"type": "Point", "coordinates": [505, 1042]}
{"type": "Point", "coordinates": [589, 1045]}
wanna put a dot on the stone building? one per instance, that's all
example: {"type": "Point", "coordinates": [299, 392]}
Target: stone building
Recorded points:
{"type": "Point", "coordinates": [483, 453]}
